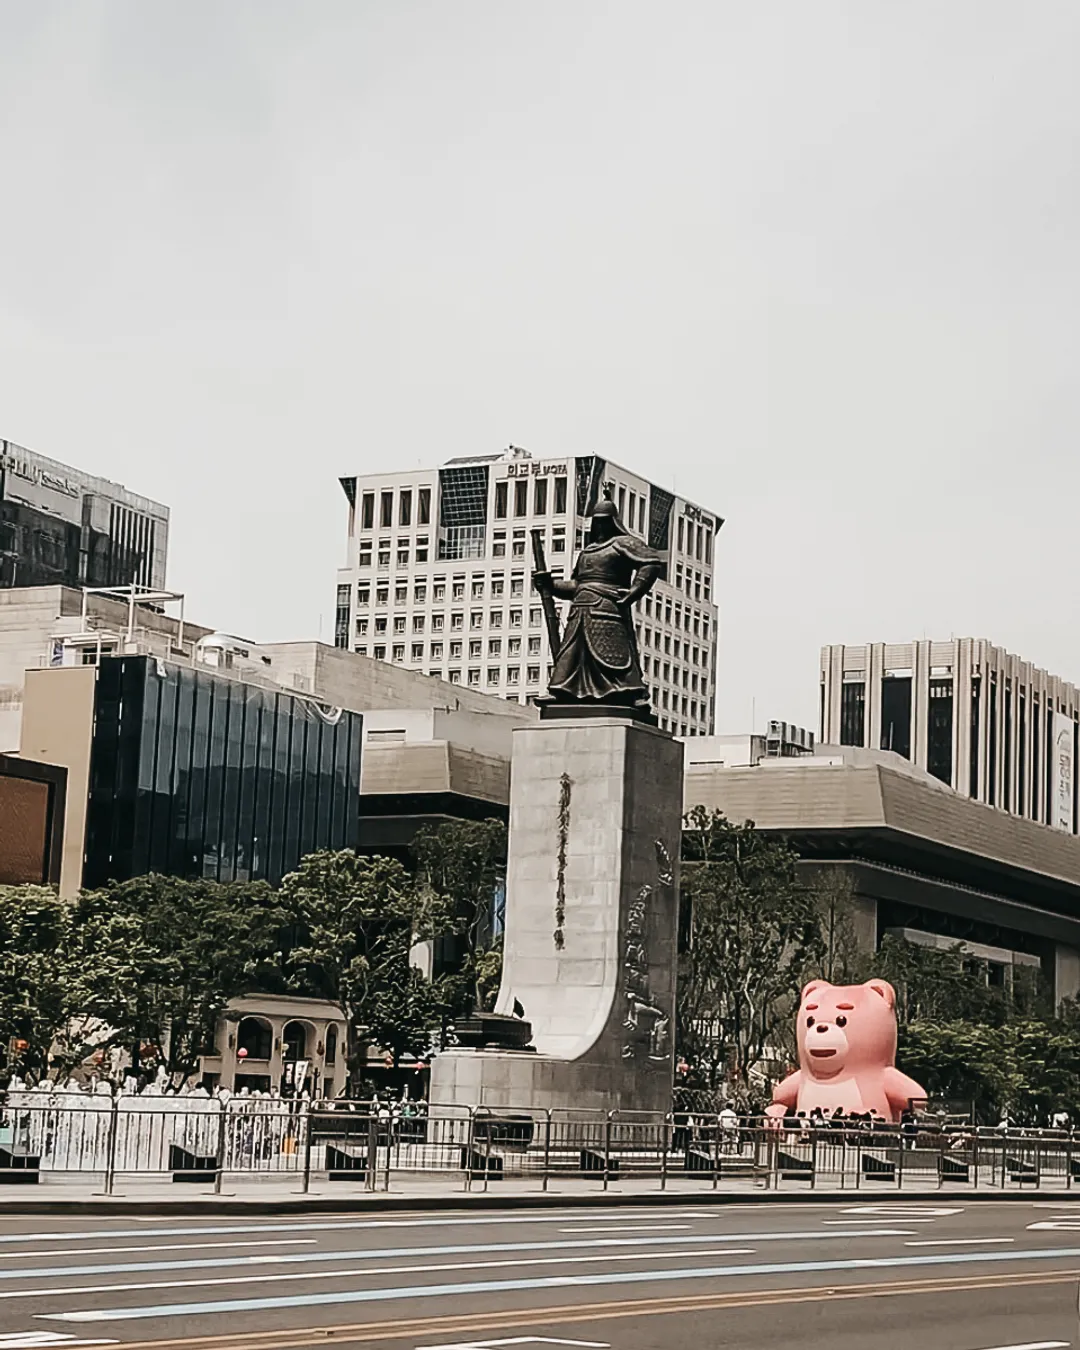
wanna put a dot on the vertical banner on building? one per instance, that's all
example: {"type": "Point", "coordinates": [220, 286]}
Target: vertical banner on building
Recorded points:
{"type": "Point", "coordinates": [1064, 772]}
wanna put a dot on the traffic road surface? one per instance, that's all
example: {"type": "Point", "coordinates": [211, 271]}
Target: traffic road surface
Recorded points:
{"type": "Point", "coordinates": [873, 1273]}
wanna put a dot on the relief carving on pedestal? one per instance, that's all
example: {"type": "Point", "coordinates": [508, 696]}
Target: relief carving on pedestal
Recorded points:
{"type": "Point", "coordinates": [647, 1027]}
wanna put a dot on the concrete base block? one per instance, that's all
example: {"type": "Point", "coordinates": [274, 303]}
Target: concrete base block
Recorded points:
{"type": "Point", "coordinates": [591, 919]}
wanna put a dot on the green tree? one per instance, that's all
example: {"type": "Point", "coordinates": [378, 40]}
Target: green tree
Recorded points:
{"type": "Point", "coordinates": [843, 960]}
{"type": "Point", "coordinates": [460, 868]}
{"type": "Point", "coordinates": [946, 985]}
{"type": "Point", "coordinates": [160, 957]}
{"type": "Point", "coordinates": [354, 921]}
{"type": "Point", "coordinates": [1026, 1068]}
{"type": "Point", "coordinates": [754, 937]}
{"type": "Point", "coordinates": [36, 998]}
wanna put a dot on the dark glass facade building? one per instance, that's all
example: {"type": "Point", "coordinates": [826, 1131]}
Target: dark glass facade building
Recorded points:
{"type": "Point", "coordinates": [193, 774]}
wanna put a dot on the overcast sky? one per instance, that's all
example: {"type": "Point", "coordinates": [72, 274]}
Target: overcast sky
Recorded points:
{"type": "Point", "coordinates": [814, 264]}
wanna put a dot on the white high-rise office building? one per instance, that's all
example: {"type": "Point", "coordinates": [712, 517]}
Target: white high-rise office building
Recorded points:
{"type": "Point", "coordinates": [439, 574]}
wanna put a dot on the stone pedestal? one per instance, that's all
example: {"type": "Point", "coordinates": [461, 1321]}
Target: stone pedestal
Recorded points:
{"type": "Point", "coordinates": [591, 923]}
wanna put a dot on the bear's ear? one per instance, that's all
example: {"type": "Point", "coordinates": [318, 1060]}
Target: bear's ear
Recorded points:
{"type": "Point", "coordinates": [885, 989]}
{"type": "Point", "coordinates": [811, 988]}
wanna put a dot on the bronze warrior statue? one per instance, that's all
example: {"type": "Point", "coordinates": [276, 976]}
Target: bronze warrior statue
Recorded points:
{"type": "Point", "coordinates": [597, 661]}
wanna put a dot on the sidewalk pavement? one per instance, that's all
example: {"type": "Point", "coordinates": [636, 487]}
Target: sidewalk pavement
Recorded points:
{"type": "Point", "coordinates": [284, 1195]}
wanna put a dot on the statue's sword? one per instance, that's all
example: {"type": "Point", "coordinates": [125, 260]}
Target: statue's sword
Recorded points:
{"type": "Point", "coordinates": [551, 614]}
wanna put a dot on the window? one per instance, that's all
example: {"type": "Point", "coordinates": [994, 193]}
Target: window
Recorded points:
{"type": "Point", "coordinates": [361, 651]}
{"type": "Point", "coordinates": [476, 648]}
{"type": "Point", "coordinates": [423, 512]}
{"type": "Point", "coordinates": [418, 623]}
{"type": "Point", "coordinates": [632, 510]}
{"type": "Point", "coordinates": [641, 516]}
{"type": "Point", "coordinates": [560, 496]}
{"type": "Point", "coordinates": [418, 651]}
{"type": "Point", "coordinates": [399, 623]}
{"type": "Point", "coordinates": [457, 622]}
{"type": "Point", "coordinates": [682, 524]}
{"type": "Point", "coordinates": [493, 675]}
{"type": "Point", "coordinates": [708, 546]}
{"type": "Point", "coordinates": [459, 590]}
{"type": "Point", "coordinates": [519, 548]}
{"type": "Point", "coordinates": [438, 591]}
{"type": "Point", "coordinates": [361, 627]}
{"type": "Point", "coordinates": [386, 510]}
{"type": "Point", "coordinates": [436, 651]}
{"type": "Point", "coordinates": [517, 585]}
{"type": "Point", "coordinates": [382, 595]}
{"type": "Point", "coordinates": [495, 647]}
{"type": "Point", "coordinates": [476, 619]}
{"type": "Point", "coordinates": [478, 589]}
{"type": "Point", "coordinates": [622, 501]}
{"type": "Point", "coordinates": [363, 595]}
{"type": "Point", "coordinates": [365, 556]}
{"type": "Point", "coordinates": [896, 714]}
{"type": "Point", "coordinates": [367, 511]}
{"type": "Point", "coordinates": [380, 624]}
{"type": "Point", "coordinates": [521, 497]}
{"type": "Point", "coordinates": [496, 618]}
{"type": "Point", "coordinates": [513, 646]}
{"type": "Point", "coordinates": [455, 651]}
{"type": "Point", "coordinates": [558, 542]}
{"type": "Point", "coordinates": [497, 586]}
{"type": "Point", "coordinates": [399, 651]}
{"type": "Point", "coordinates": [401, 595]}
{"type": "Point", "coordinates": [698, 542]}
{"type": "Point", "coordinates": [534, 614]}
{"type": "Point", "coordinates": [421, 550]}
{"type": "Point", "coordinates": [474, 679]}
{"type": "Point", "coordinates": [455, 676]}
{"type": "Point", "coordinates": [384, 557]}
{"type": "Point", "coordinates": [498, 547]}
{"type": "Point", "coordinates": [419, 594]}
{"type": "Point", "coordinates": [534, 646]}
{"type": "Point", "coordinates": [405, 507]}
{"type": "Point", "coordinates": [403, 557]}
{"type": "Point", "coordinates": [436, 623]}
{"type": "Point", "coordinates": [939, 732]}
{"type": "Point", "coordinates": [533, 675]}
{"type": "Point", "coordinates": [379, 653]}
{"type": "Point", "coordinates": [513, 674]}
{"type": "Point", "coordinates": [515, 618]}
{"type": "Point", "coordinates": [501, 489]}
{"type": "Point", "coordinates": [853, 713]}
{"type": "Point", "coordinates": [540, 497]}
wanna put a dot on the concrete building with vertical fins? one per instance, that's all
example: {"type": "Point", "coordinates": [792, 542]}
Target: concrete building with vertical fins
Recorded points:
{"type": "Point", "coordinates": [986, 722]}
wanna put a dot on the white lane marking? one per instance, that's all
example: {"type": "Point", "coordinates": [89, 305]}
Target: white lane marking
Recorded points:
{"type": "Point", "coordinates": [1056, 1225]}
{"type": "Point", "coordinates": [902, 1211]}
{"type": "Point", "coordinates": [365, 1271]}
{"type": "Point", "coordinates": [516, 1340]}
{"type": "Point", "coordinates": [155, 1247]}
{"type": "Point", "coordinates": [958, 1242]}
{"type": "Point", "coordinates": [42, 1340]}
{"type": "Point", "coordinates": [642, 1228]}
{"type": "Point", "coordinates": [412, 1292]}
{"type": "Point", "coordinates": [465, 1249]}
{"type": "Point", "coordinates": [1034, 1345]}
{"type": "Point", "coordinates": [349, 1225]}
{"type": "Point", "coordinates": [876, 1219]}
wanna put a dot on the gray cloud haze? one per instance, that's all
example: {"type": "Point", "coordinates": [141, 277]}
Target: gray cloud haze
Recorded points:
{"type": "Point", "coordinates": [813, 263]}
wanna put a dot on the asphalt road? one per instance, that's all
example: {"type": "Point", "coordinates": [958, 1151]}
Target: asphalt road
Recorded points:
{"type": "Point", "coordinates": [874, 1273]}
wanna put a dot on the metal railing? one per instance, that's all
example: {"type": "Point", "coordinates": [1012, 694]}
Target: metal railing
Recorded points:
{"type": "Point", "coordinates": [54, 1136]}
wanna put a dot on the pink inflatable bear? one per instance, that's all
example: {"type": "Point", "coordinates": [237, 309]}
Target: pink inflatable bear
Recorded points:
{"type": "Point", "coordinates": [847, 1054]}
